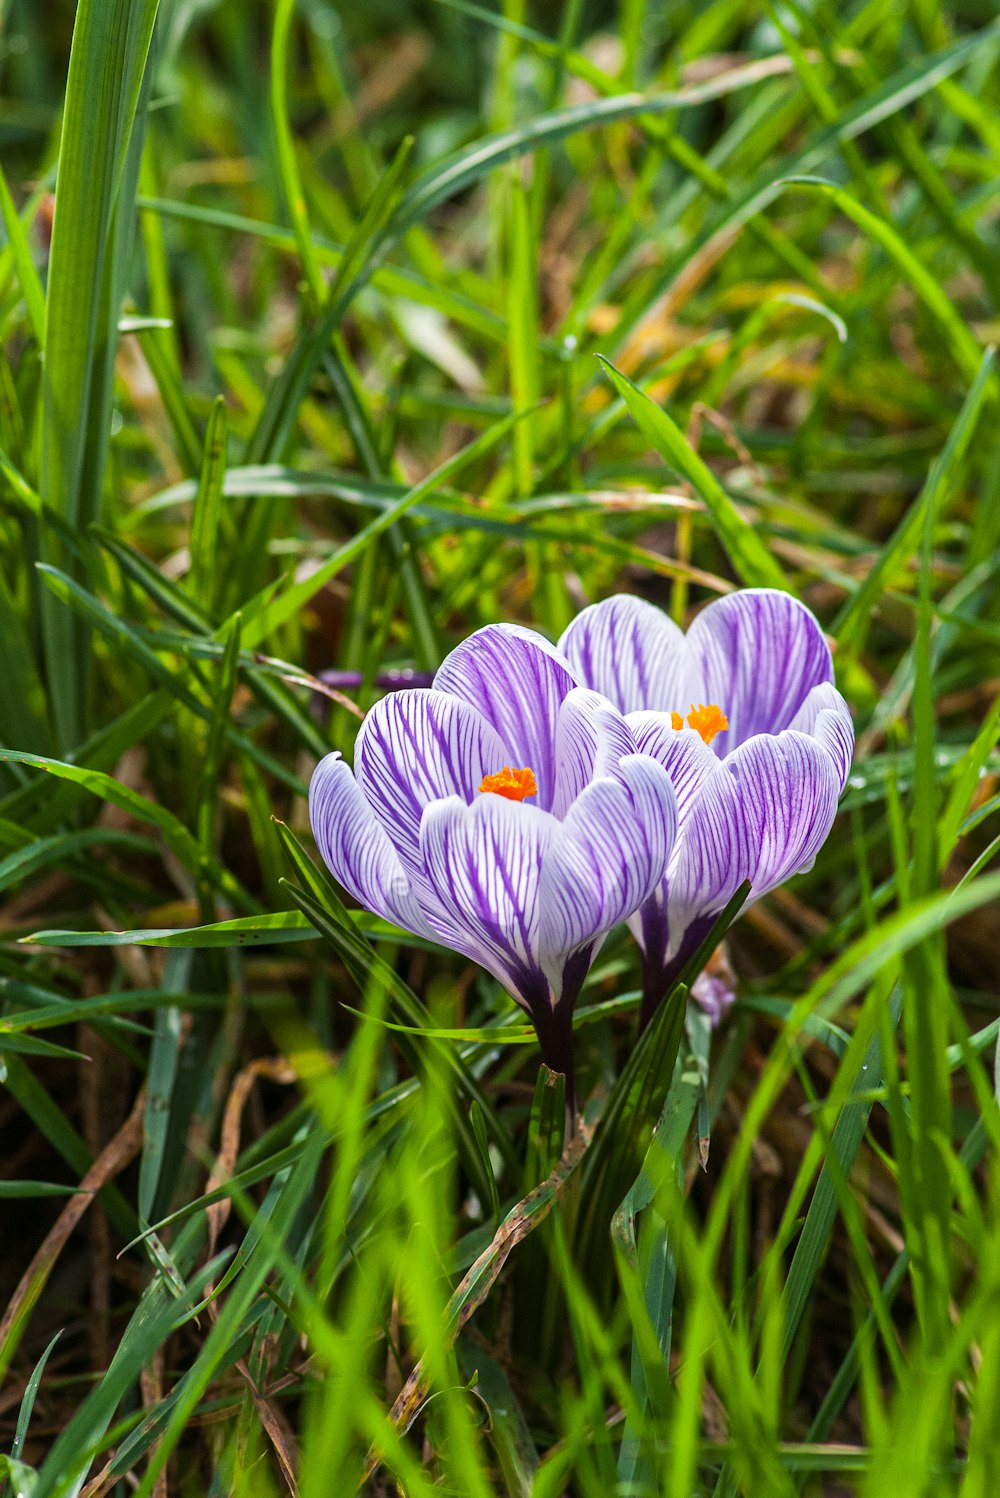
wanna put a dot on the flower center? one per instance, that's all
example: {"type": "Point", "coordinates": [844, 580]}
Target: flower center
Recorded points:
{"type": "Point", "coordinates": [708, 721]}
{"type": "Point", "coordinates": [513, 785]}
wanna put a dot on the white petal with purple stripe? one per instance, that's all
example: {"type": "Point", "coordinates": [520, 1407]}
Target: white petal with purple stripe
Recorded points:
{"type": "Point", "coordinates": [757, 654]}
{"type": "Point", "coordinates": [632, 652]}
{"type": "Point", "coordinates": [517, 682]}
{"type": "Point", "coordinates": [684, 755]}
{"type": "Point", "coordinates": [355, 848]}
{"type": "Point", "coordinates": [416, 747]}
{"type": "Point", "coordinates": [606, 857]}
{"type": "Point", "coordinates": [483, 863]}
{"type": "Point", "coordinates": [591, 737]}
{"type": "Point", "coordinates": [825, 716]}
{"type": "Point", "coordinates": [762, 815]}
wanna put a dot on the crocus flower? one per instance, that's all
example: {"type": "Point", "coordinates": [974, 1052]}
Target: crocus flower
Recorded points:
{"type": "Point", "coordinates": [504, 812]}
{"type": "Point", "coordinates": [742, 713]}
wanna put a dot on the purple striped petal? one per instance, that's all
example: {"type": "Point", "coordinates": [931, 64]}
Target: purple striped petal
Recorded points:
{"type": "Point", "coordinates": [825, 716]}
{"type": "Point", "coordinates": [633, 653]}
{"type": "Point", "coordinates": [416, 747]}
{"type": "Point", "coordinates": [606, 857]}
{"type": "Point", "coordinates": [355, 848]}
{"type": "Point", "coordinates": [683, 753]}
{"type": "Point", "coordinates": [762, 816]}
{"type": "Point", "coordinates": [517, 681]}
{"type": "Point", "coordinates": [757, 654]}
{"type": "Point", "coordinates": [591, 737]}
{"type": "Point", "coordinates": [483, 863]}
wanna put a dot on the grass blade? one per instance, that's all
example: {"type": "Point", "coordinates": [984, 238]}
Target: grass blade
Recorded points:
{"type": "Point", "coordinates": [751, 559]}
{"type": "Point", "coordinates": [111, 43]}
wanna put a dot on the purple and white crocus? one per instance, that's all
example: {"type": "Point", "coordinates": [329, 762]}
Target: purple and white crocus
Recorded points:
{"type": "Point", "coordinates": [742, 713]}
{"type": "Point", "coordinates": [506, 812]}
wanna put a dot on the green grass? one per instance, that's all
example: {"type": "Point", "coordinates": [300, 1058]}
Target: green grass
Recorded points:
{"type": "Point", "coordinates": [354, 330]}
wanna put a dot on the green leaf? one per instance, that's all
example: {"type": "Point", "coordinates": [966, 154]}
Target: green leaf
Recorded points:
{"type": "Point", "coordinates": [177, 837]}
{"type": "Point", "coordinates": [244, 931]}
{"type": "Point", "coordinates": [966, 350]}
{"type": "Point", "coordinates": [205, 576]}
{"type": "Point", "coordinates": [111, 41]}
{"type": "Point", "coordinates": [288, 391]}
{"type": "Point", "coordinates": [62, 849]}
{"type": "Point", "coordinates": [546, 1127]}
{"type": "Point", "coordinates": [649, 1278]}
{"type": "Point", "coordinates": [31, 286]}
{"type": "Point", "coordinates": [22, 703]}
{"type": "Point", "coordinates": [852, 623]}
{"type": "Point", "coordinates": [30, 1393]}
{"type": "Point", "coordinates": [266, 613]}
{"type": "Point", "coordinates": [18, 1190]}
{"type": "Point", "coordinates": [848, 1133]}
{"type": "Point", "coordinates": [24, 1478]}
{"type": "Point", "coordinates": [164, 1058]}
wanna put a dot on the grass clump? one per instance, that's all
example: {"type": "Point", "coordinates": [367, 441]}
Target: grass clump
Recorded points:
{"type": "Point", "coordinates": [328, 337]}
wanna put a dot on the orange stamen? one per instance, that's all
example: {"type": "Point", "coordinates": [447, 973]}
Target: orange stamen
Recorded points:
{"type": "Point", "coordinates": [513, 785]}
{"type": "Point", "coordinates": [708, 721]}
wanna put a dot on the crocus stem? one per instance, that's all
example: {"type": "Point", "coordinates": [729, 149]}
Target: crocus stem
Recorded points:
{"type": "Point", "coordinates": [554, 1028]}
{"type": "Point", "coordinates": [659, 975]}
{"type": "Point", "coordinates": [653, 989]}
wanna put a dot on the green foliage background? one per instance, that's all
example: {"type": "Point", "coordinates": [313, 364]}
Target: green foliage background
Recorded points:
{"type": "Point", "coordinates": [298, 373]}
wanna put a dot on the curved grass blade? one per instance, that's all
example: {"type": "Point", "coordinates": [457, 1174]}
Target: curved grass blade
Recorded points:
{"type": "Point", "coordinates": [287, 393]}
{"type": "Point", "coordinates": [851, 624]}
{"type": "Point", "coordinates": [265, 613]}
{"type": "Point", "coordinates": [966, 350]}
{"type": "Point", "coordinates": [164, 1057]}
{"type": "Point", "coordinates": [750, 557]}
{"type": "Point", "coordinates": [484, 1035]}
{"type": "Point", "coordinates": [177, 837]}
{"type": "Point", "coordinates": [63, 848]}
{"type": "Point", "coordinates": [122, 635]}
{"type": "Point", "coordinates": [28, 1398]}
{"type": "Point", "coordinates": [636, 1100]}
{"type": "Point", "coordinates": [244, 931]}
{"type": "Point", "coordinates": [476, 1284]}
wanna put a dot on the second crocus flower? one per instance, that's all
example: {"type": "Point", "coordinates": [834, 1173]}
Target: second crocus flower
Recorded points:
{"type": "Point", "coordinates": [742, 713]}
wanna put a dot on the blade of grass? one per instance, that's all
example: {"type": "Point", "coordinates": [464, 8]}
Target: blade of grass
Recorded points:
{"type": "Point", "coordinates": [851, 625]}
{"type": "Point", "coordinates": [751, 560]}
{"type": "Point", "coordinates": [965, 348]}
{"type": "Point", "coordinates": [111, 43]}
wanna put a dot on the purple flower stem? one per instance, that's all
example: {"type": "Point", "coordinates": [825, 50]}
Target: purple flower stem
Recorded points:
{"type": "Point", "coordinates": [659, 977]}
{"type": "Point", "coordinates": [554, 1028]}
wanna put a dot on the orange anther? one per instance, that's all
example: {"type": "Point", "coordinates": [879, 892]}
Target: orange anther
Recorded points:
{"type": "Point", "coordinates": [513, 785]}
{"type": "Point", "coordinates": [708, 721]}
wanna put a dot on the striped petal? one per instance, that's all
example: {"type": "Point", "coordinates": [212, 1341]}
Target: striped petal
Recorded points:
{"type": "Point", "coordinates": [632, 652]}
{"type": "Point", "coordinates": [483, 864]}
{"type": "Point", "coordinates": [683, 753]}
{"type": "Point", "coordinates": [763, 816]}
{"type": "Point", "coordinates": [416, 747]}
{"type": "Point", "coordinates": [355, 848]}
{"type": "Point", "coordinates": [604, 860]}
{"type": "Point", "coordinates": [591, 737]}
{"type": "Point", "coordinates": [517, 682]}
{"type": "Point", "coordinates": [825, 716]}
{"type": "Point", "coordinates": [757, 654]}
